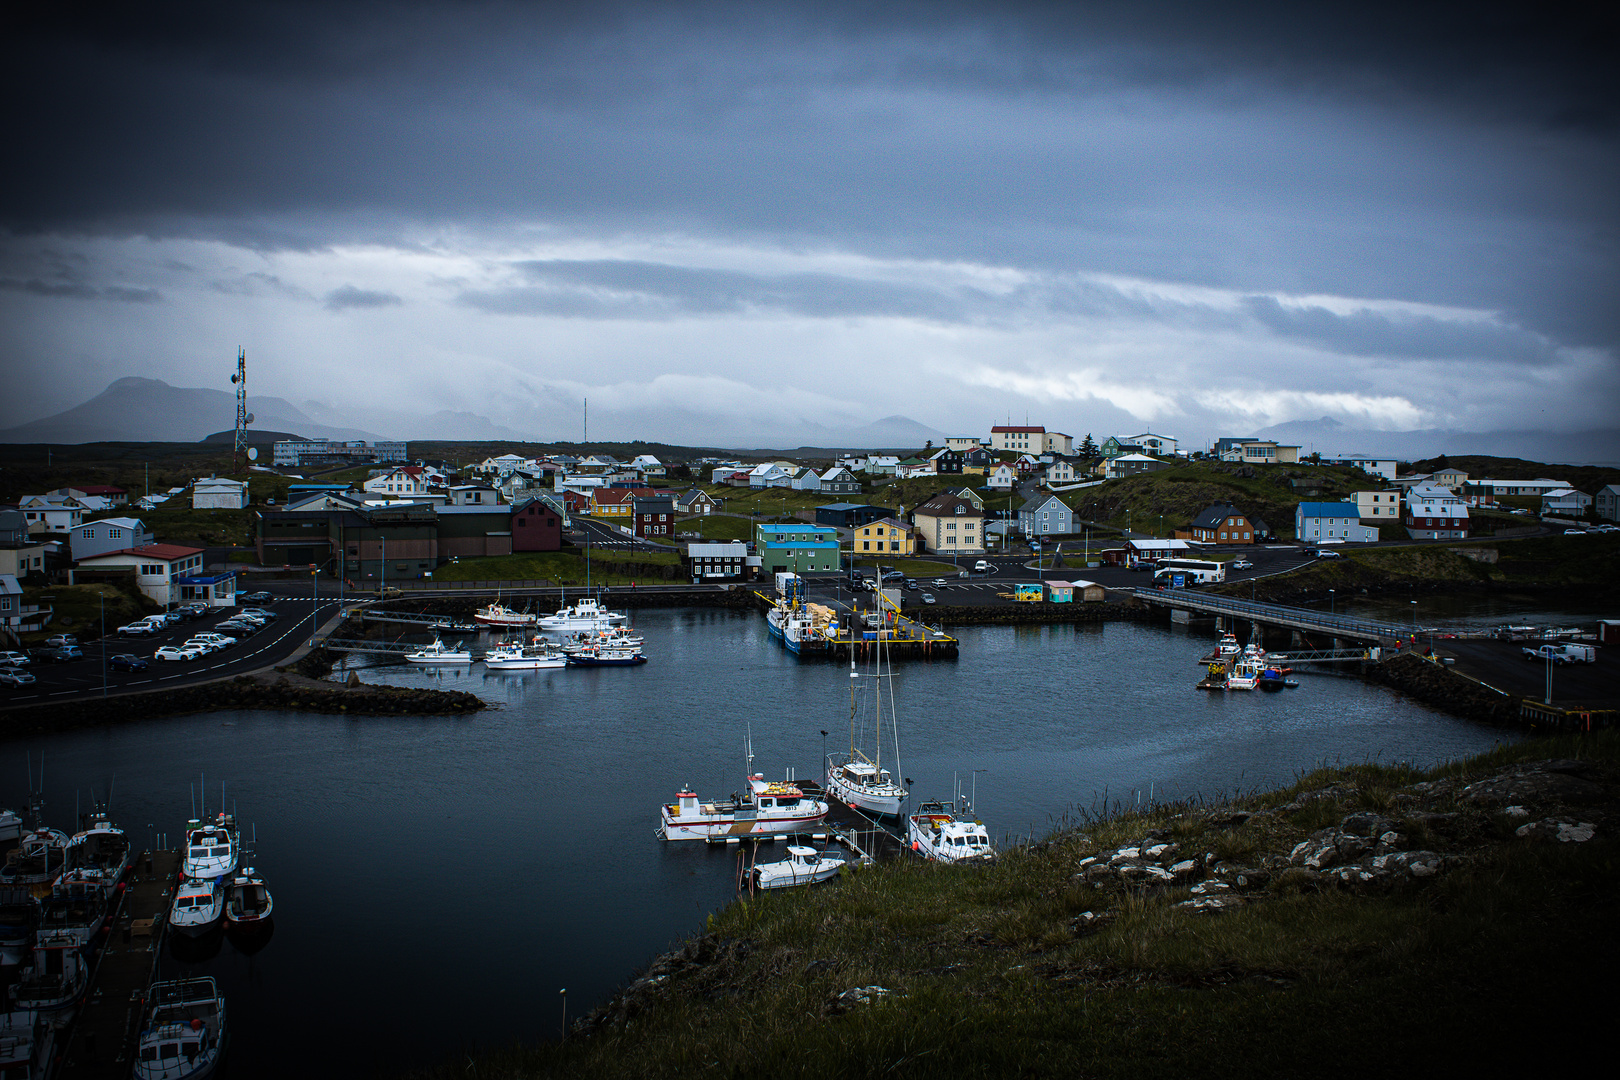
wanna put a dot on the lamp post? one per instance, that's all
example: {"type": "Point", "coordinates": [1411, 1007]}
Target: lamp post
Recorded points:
{"type": "Point", "coordinates": [1331, 601]}
{"type": "Point", "coordinates": [102, 599]}
{"type": "Point", "coordinates": [382, 563]}
{"type": "Point", "coordinates": [314, 602]}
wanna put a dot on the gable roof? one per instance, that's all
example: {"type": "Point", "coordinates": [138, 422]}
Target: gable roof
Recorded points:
{"type": "Point", "coordinates": [1326, 509]}
{"type": "Point", "coordinates": [163, 552]}
{"type": "Point", "coordinates": [1212, 516]}
{"type": "Point", "coordinates": [948, 503]}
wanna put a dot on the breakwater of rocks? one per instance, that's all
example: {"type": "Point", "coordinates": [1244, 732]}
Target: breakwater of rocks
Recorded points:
{"type": "Point", "coordinates": [1445, 690]}
{"type": "Point", "coordinates": [278, 691]}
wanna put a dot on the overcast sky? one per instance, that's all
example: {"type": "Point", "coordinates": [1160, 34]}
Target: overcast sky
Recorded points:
{"type": "Point", "coordinates": [721, 223]}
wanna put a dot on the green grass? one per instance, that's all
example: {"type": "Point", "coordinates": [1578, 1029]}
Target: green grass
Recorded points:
{"type": "Point", "coordinates": [990, 977]}
{"type": "Point", "coordinates": [562, 568]}
{"type": "Point", "coordinates": [716, 527]}
{"type": "Point", "coordinates": [78, 610]}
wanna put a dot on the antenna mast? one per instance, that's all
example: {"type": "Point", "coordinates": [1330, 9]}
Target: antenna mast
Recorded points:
{"type": "Point", "coordinates": [239, 448]}
{"type": "Point", "coordinates": [585, 420]}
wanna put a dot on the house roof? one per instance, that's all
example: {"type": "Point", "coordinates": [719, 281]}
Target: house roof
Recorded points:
{"type": "Point", "coordinates": [1213, 515]}
{"type": "Point", "coordinates": [1327, 509]}
{"type": "Point", "coordinates": [1011, 430]}
{"type": "Point", "coordinates": [161, 552]}
{"type": "Point", "coordinates": [654, 504]}
{"type": "Point", "coordinates": [120, 522]}
{"type": "Point", "coordinates": [948, 504]}
{"type": "Point", "coordinates": [1036, 502]}
{"type": "Point", "coordinates": [691, 494]}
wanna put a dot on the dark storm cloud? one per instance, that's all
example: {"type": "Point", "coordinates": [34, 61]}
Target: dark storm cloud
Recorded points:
{"type": "Point", "coordinates": [1371, 333]}
{"type": "Point", "coordinates": [348, 296]}
{"type": "Point", "coordinates": [77, 290]}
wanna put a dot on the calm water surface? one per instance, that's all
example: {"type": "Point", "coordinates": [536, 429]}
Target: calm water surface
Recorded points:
{"type": "Point", "coordinates": [438, 881]}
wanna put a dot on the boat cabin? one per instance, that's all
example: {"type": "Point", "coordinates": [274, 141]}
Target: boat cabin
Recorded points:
{"type": "Point", "coordinates": [864, 774]}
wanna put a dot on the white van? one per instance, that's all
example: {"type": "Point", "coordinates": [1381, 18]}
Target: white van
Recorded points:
{"type": "Point", "coordinates": [981, 567]}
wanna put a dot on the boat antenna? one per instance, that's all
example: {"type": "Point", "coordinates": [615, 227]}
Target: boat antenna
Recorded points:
{"type": "Point", "coordinates": [193, 791]}
{"type": "Point", "coordinates": [749, 768]}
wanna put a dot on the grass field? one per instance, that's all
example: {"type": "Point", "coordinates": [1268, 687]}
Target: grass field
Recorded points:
{"type": "Point", "coordinates": [558, 567]}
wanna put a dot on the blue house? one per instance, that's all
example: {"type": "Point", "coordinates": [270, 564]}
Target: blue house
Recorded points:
{"type": "Point", "coordinates": [1315, 522]}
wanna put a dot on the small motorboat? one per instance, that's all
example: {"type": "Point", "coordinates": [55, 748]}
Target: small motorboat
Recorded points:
{"type": "Point", "coordinates": [439, 653]}
{"type": "Point", "coordinates": [938, 831]}
{"type": "Point", "coordinates": [1245, 675]}
{"type": "Point", "coordinates": [497, 615]}
{"type": "Point", "coordinates": [607, 656]}
{"type": "Point", "coordinates": [57, 975]}
{"type": "Point", "coordinates": [212, 850]}
{"type": "Point", "coordinates": [517, 656]}
{"type": "Point", "coordinates": [197, 906]}
{"type": "Point", "coordinates": [803, 866]}
{"type": "Point", "coordinates": [247, 901]}
{"type": "Point", "coordinates": [1271, 678]}
{"type": "Point", "coordinates": [182, 1032]}
{"type": "Point", "coordinates": [613, 636]}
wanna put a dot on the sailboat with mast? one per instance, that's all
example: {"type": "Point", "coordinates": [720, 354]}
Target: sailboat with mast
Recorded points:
{"type": "Point", "coordinates": [853, 778]}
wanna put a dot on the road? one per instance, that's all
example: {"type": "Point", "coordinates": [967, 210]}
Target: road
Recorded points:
{"type": "Point", "coordinates": [603, 535]}
{"type": "Point", "coordinates": [273, 644]}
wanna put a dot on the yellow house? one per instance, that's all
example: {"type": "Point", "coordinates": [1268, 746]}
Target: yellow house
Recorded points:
{"type": "Point", "coordinates": [886, 536]}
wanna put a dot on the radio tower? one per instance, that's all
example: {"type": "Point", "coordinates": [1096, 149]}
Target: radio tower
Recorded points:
{"type": "Point", "coordinates": [239, 449]}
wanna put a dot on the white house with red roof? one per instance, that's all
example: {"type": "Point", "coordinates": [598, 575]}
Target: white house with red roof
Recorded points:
{"type": "Point", "coordinates": [403, 482]}
{"type": "Point", "coordinates": [158, 568]}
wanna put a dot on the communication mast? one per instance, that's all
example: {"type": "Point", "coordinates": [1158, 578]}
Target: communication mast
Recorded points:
{"type": "Point", "coordinates": [239, 448]}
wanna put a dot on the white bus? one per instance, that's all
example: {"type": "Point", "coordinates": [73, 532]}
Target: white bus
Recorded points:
{"type": "Point", "coordinates": [1190, 571]}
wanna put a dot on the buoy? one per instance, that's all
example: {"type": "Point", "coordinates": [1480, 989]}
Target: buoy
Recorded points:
{"type": "Point", "coordinates": [196, 1025]}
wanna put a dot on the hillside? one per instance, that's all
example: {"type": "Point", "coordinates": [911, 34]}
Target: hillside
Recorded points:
{"type": "Point", "coordinates": [1587, 478]}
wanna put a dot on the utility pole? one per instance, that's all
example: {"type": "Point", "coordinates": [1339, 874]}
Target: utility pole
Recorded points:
{"type": "Point", "coordinates": [239, 447]}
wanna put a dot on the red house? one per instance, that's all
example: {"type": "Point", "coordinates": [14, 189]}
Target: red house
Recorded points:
{"type": "Point", "coordinates": [536, 526]}
{"type": "Point", "coordinates": [655, 516]}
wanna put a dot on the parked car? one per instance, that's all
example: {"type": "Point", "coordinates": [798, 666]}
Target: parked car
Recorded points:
{"type": "Point", "coordinates": [59, 640]}
{"type": "Point", "coordinates": [1242, 564]}
{"type": "Point", "coordinates": [260, 597]}
{"type": "Point", "coordinates": [193, 611]}
{"type": "Point", "coordinates": [237, 626]}
{"type": "Point", "coordinates": [14, 659]}
{"type": "Point", "coordinates": [205, 646]}
{"type": "Point", "coordinates": [261, 614]}
{"type": "Point", "coordinates": [221, 640]}
{"type": "Point", "coordinates": [177, 652]}
{"type": "Point", "coordinates": [138, 629]}
{"type": "Point", "coordinates": [1326, 553]}
{"type": "Point", "coordinates": [912, 586]}
{"type": "Point", "coordinates": [928, 598]}
{"type": "Point", "coordinates": [61, 654]}
{"type": "Point", "coordinates": [894, 575]}
{"type": "Point", "coordinates": [981, 567]}
{"type": "Point", "coordinates": [939, 582]}
{"type": "Point", "coordinates": [126, 662]}
{"type": "Point", "coordinates": [247, 616]}
{"type": "Point", "coordinates": [15, 677]}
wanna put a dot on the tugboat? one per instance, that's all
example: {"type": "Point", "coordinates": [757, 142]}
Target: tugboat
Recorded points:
{"type": "Point", "coordinates": [803, 866]}
{"type": "Point", "coordinates": [183, 1033]}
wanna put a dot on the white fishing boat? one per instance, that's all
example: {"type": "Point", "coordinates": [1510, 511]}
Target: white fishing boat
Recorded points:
{"type": "Point", "coordinates": [19, 918]}
{"type": "Point", "coordinates": [861, 782]}
{"type": "Point", "coordinates": [77, 906]}
{"type": "Point", "coordinates": [55, 977]}
{"type": "Point", "coordinates": [944, 832]}
{"type": "Point", "coordinates": [613, 637]}
{"type": "Point", "coordinates": [767, 807]}
{"type": "Point", "coordinates": [27, 1044]}
{"type": "Point", "coordinates": [584, 614]}
{"type": "Point", "coordinates": [198, 906]}
{"type": "Point", "coordinates": [248, 904]}
{"type": "Point", "coordinates": [37, 860]}
{"type": "Point", "coordinates": [183, 1031]}
{"type": "Point", "coordinates": [439, 653]}
{"type": "Point", "coordinates": [498, 615]}
{"type": "Point", "coordinates": [607, 656]}
{"type": "Point", "coordinates": [212, 850]}
{"type": "Point", "coordinates": [517, 656]}
{"type": "Point", "coordinates": [803, 866]}
{"type": "Point", "coordinates": [103, 847]}
{"type": "Point", "coordinates": [1245, 675]}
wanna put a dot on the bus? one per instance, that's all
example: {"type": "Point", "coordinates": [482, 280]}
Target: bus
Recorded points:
{"type": "Point", "coordinates": [1191, 571]}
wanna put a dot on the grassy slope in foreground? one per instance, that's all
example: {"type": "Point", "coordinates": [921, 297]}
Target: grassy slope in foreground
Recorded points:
{"type": "Point", "coordinates": [1504, 957]}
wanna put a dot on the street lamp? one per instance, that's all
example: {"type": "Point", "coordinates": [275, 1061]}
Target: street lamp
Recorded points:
{"type": "Point", "coordinates": [314, 602]}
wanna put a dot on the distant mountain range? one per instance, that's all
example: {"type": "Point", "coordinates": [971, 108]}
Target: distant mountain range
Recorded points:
{"type": "Point", "coordinates": [1330, 438]}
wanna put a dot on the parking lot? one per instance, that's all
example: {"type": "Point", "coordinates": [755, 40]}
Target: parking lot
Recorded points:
{"type": "Point", "coordinates": [95, 671]}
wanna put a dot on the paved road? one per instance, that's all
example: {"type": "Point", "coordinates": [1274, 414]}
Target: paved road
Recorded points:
{"type": "Point", "coordinates": [605, 536]}
{"type": "Point", "coordinates": [271, 645]}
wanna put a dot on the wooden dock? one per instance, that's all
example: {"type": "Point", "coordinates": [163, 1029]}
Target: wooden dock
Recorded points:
{"type": "Point", "coordinates": [103, 1034]}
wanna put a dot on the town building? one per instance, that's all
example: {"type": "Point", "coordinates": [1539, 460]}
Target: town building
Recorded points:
{"type": "Point", "coordinates": [1378, 506]}
{"type": "Point", "coordinates": [1315, 522]}
{"type": "Point", "coordinates": [301, 452]}
{"type": "Point", "coordinates": [537, 525]}
{"type": "Point", "coordinates": [716, 560]}
{"type": "Point", "coordinates": [1220, 523]}
{"type": "Point", "coordinates": [694, 501]}
{"type": "Point", "coordinates": [849, 515]}
{"type": "Point", "coordinates": [156, 568]}
{"type": "Point", "coordinates": [1565, 502]}
{"type": "Point", "coordinates": [839, 480]}
{"type": "Point", "coordinates": [963, 442]}
{"type": "Point", "coordinates": [654, 516]}
{"type": "Point", "coordinates": [1055, 442]}
{"type": "Point", "coordinates": [1608, 502]}
{"type": "Point", "coordinates": [1018, 439]}
{"type": "Point", "coordinates": [107, 534]}
{"type": "Point", "coordinates": [1388, 468]}
{"type": "Point", "coordinates": [796, 546]}
{"type": "Point", "coordinates": [1003, 477]}
{"type": "Point", "coordinates": [1131, 465]}
{"type": "Point", "coordinates": [1046, 515]}
{"type": "Point", "coordinates": [806, 480]}
{"type": "Point", "coordinates": [219, 493]}
{"type": "Point", "coordinates": [1160, 445]}
{"type": "Point", "coordinates": [404, 482]}
{"type": "Point", "coordinates": [112, 496]}
{"type": "Point", "coordinates": [885, 536]}
{"type": "Point", "coordinates": [1435, 513]}
{"type": "Point", "coordinates": [1261, 452]}
{"type": "Point", "coordinates": [949, 524]}
{"type": "Point", "coordinates": [20, 553]}
{"type": "Point", "coordinates": [51, 513]}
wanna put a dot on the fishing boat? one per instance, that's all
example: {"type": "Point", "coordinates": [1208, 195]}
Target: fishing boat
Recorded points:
{"type": "Point", "coordinates": [498, 615]}
{"type": "Point", "coordinates": [853, 778]}
{"type": "Point", "coordinates": [27, 1044]}
{"type": "Point", "coordinates": [439, 653]}
{"type": "Point", "coordinates": [37, 861]}
{"type": "Point", "coordinates": [944, 832]}
{"type": "Point", "coordinates": [1245, 675]}
{"type": "Point", "coordinates": [803, 866]}
{"type": "Point", "coordinates": [518, 656]}
{"type": "Point", "coordinates": [56, 975]}
{"type": "Point", "coordinates": [247, 901]}
{"type": "Point", "coordinates": [1271, 678]}
{"type": "Point", "coordinates": [182, 1032]}
{"type": "Point", "coordinates": [11, 825]}
{"type": "Point", "coordinates": [767, 807]}
{"type": "Point", "coordinates": [101, 846]}
{"type": "Point", "coordinates": [77, 906]}
{"type": "Point", "coordinates": [197, 906]}
{"type": "Point", "coordinates": [212, 850]}
{"type": "Point", "coordinates": [19, 918]}
{"type": "Point", "coordinates": [615, 636]}
{"type": "Point", "coordinates": [607, 656]}
{"type": "Point", "coordinates": [584, 614]}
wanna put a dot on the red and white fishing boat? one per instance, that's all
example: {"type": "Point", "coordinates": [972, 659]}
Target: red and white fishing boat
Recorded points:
{"type": "Point", "coordinates": [498, 615]}
{"type": "Point", "coordinates": [767, 808]}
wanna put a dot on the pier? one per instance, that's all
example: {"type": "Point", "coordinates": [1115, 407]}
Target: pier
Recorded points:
{"type": "Point", "coordinates": [900, 636]}
{"type": "Point", "coordinates": [1187, 602]}
{"type": "Point", "coordinates": [441, 623]}
{"type": "Point", "coordinates": [102, 1037]}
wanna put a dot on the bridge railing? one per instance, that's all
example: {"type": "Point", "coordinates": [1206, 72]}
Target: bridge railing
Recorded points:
{"type": "Point", "coordinates": [1340, 625]}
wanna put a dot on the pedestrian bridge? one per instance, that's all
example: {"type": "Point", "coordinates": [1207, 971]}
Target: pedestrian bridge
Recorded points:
{"type": "Point", "coordinates": [1305, 620]}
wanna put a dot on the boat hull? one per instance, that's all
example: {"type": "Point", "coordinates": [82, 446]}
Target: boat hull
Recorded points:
{"type": "Point", "coordinates": [607, 661]}
{"type": "Point", "coordinates": [719, 826]}
{"type": "Point", "coordinates": [534, 664]}
{"type": "Point", "coordinates": [883, 804]}
{"type": "Point", "coordinates": [771, 876]}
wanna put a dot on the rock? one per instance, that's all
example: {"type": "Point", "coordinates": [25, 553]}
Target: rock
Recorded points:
{"type": "Point", "coordinates": [1418, 864]}
{"type": "Point", "coordinates": [1124, 854]}
{"type": "Point", "coordinates": [1158, 851]}
{"type": "Point", "coordinates": [1563, 831]}
{"type": "Point", "coordinates": [1366, 823]}
{"type": "Point", "coordinates": [1516, 811]}
{"type": "Point", "coordinates": [1211, 904]}
{"type": "Point", "coordinates": [1535, 783]}
{"type": "Point", "coordinates": [1185, 868]}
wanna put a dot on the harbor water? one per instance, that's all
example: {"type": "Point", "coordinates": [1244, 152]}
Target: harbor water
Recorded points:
{"type": "Point", "coordinates": [440, 881]}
